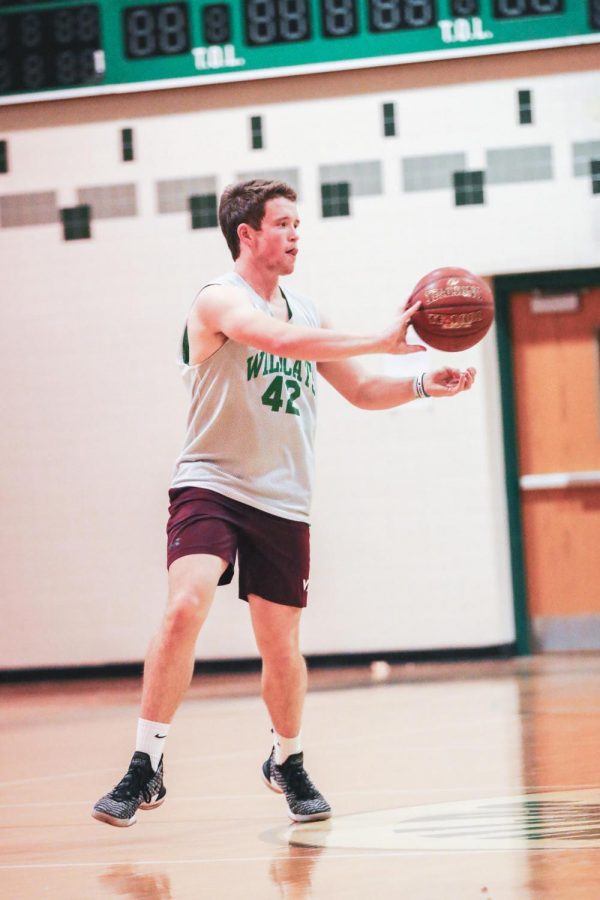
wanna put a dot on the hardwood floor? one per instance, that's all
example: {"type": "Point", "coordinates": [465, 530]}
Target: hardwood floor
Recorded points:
{"type": "Point", "coordinates": [448, 782]}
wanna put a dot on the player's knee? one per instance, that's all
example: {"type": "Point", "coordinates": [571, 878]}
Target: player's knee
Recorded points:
{"type": "Point", "coordinates": [186, 611]}
{"type": "Point", "coordinates": [282, 654]}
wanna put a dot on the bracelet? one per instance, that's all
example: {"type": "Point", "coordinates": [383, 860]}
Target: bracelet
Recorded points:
{"type": "Point", "coordinates": [419, 387]}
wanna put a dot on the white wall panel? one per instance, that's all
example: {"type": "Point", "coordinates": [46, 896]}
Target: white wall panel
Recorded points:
{"type": "Point", "coordinates": [410, 540]}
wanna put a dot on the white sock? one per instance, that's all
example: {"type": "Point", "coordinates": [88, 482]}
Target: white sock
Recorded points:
{"type": "Point", "coordinates": [284, 746]}
{"type": "Point", "coordinates": [151, 739]}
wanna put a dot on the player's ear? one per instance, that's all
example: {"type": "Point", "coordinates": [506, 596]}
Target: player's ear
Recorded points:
{"type": "Point", "coordinates": [244, 233]}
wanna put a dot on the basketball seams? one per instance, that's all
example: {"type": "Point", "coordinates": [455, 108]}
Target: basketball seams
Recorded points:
{"type": "Point", "coordinates": [457, 300]}
{"type": "Point", "coordinates": [457, 309]}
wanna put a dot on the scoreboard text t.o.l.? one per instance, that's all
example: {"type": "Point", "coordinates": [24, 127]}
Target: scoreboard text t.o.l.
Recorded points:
{"type": "Point", "coordinates": [51, 49]}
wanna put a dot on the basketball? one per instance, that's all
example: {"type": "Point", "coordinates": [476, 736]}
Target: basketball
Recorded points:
{"type": "Point", "coordinates": [457, 309]}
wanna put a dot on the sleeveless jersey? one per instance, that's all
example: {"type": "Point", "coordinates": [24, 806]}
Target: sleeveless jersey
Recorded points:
{"type": "Point", "coordinates": [252, 417]}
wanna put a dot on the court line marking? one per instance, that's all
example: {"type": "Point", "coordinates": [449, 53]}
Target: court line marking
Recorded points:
{"type": "Point", "coordinates": [366, 792]}
{"type": "Point", "coordinates": [225, 859]}
{"type": "Point", "coordinates": [235, 754]}
{"type": "Point", "coordinates": [242, 753]}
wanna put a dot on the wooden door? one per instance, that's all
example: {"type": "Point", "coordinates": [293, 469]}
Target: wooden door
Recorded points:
{"type": "Point", "coordinates": [557, 391]}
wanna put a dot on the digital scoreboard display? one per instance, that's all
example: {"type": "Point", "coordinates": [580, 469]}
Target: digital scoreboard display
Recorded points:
{"type": "Point", "coordinates": [51, 49]}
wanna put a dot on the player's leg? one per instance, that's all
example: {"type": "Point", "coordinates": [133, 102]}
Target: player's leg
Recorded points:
{"type": "Point", "coordinates": [274, 560]}
{"type": "Point", "coordinates": [168, 671]}
{"type": "Point", "coordinates": [201, 550]}
{"type": "Point", "coordinates": [169, 662]}
{"type": "Point", "coordinates": [276, 628]}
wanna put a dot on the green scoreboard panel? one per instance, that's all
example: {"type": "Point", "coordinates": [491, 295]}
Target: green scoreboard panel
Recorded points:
{"type": "Point", "coordinates": [51, 49]}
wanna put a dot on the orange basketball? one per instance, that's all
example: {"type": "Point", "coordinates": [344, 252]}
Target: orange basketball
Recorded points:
{"type": "Point", "coordinates": [457, 309]}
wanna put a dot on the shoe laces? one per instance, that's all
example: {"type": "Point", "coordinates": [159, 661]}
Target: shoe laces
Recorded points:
{"type": "Point", "coordinates": [134, 782]}
{"type": "Point", "coordinates": [297, 778]}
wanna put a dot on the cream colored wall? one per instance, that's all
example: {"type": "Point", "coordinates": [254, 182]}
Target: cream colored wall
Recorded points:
{"type": "Point", "coordinates": [410, 540]}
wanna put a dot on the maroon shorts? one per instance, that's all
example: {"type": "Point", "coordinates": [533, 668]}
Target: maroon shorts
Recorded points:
{"type": "Point", "coordinates": [274, 553]}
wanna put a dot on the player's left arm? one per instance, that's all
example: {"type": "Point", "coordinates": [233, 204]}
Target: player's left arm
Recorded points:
{"type": "Point", "coordinates": [367, 391]}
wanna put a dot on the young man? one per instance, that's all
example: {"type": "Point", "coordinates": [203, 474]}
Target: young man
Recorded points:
{"type": "Point", "coordinates": [242, 484]}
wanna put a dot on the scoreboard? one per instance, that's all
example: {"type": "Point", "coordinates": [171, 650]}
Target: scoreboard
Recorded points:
{"type": "Point", "coordinates": [51, 49]}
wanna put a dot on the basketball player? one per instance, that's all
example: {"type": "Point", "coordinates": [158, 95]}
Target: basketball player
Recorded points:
{"type": "Point", "coordinates": [242, 484]}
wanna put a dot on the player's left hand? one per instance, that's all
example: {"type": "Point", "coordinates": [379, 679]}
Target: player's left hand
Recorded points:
{"type": "Point", "coordinates": [448, 382]}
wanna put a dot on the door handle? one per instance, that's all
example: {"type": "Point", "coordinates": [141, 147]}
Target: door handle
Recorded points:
{"type": "Point", "coordinates": [558, 480]}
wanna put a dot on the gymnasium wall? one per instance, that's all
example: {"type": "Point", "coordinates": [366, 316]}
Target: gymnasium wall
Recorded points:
{"type": "Point", "coordinates": [410, 534]}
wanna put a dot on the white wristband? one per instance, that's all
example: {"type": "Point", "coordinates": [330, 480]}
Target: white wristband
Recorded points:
{"type": "Point", "coordinates": [419, 388]}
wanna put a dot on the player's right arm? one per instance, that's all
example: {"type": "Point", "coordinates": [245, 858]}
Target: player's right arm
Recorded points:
{"type": "Point", "coordinates": [222, 310]}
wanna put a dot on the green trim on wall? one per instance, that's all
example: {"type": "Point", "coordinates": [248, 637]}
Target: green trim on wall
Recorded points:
{"type": "Point", "coordinates": [504, 287]}
{"type": "Point", "coordinates": [511, 464]}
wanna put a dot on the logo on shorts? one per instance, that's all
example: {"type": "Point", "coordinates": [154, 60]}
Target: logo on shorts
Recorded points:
{"type": "Point", "coordinates": [305, 584]}
{"type": "Point", "coordinates": [176, 542]}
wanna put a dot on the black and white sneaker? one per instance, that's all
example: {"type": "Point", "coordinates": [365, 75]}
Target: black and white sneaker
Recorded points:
{"type": "Point", "coordinates": [140, 788]}
{"type": "Point", "coordinates": [305, 803]}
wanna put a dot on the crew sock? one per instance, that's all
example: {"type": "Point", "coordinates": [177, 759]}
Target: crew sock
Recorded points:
{"type": "Point", "coordinates": [151, 739]}
{"type": "Point", "coordinates": [285, 746]}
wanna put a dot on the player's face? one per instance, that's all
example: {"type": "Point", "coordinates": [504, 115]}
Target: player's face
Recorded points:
{"type": "Point", "coordinates": [276, 242]}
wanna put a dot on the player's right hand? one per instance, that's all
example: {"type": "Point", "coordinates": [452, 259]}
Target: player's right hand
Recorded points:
{"type": "Point", "coordinates": [394, 338]}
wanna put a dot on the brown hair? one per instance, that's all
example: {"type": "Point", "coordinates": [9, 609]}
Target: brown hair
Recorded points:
{"type": "Point", "coordinates": [245, 202]}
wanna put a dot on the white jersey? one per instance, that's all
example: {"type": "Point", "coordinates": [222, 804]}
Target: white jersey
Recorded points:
{"type": "Point", "coordinates": [252, 418]}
